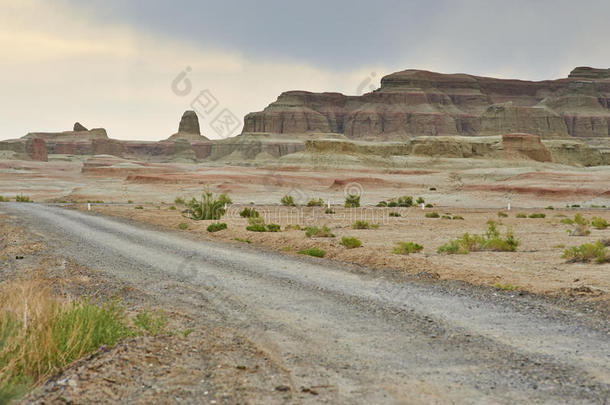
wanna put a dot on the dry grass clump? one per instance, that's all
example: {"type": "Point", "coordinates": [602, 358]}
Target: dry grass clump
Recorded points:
{"type": "Point", "coordinates": [315, 232]}
{"type": "Point", "coordinates": [405, 248]}
{"type": "Point", "coordinates": [492, 240]}
{"type": "Point", "coordinates": [587, 252]}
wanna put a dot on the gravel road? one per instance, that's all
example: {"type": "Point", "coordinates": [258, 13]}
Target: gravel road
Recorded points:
{"type": "Point", "coordinates": [346, 337]}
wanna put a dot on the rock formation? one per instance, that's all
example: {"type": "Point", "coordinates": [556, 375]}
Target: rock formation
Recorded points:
{"type": "Point", "coordinates": [415, 103]}
{"type": "Point", "coordinates": [78, 127]}
{"type": "Point", "coordinates": [189, 123]}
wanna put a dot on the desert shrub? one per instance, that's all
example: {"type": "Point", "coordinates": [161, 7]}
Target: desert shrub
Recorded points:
{"type": "Point", "coordinates": [394, 214]}
{"type": "Point", "coordinates": [429, 205]}
{"type": "Point", "coordinates": [217, 226]}
{"type": "Point", "coordinates": [350, 242]}
{"type": "Point", "coordinates": [183, 226]}
{"type": "Point", "coordinates": [295, 227]}
{"type": "Point", "coordinates": [405, 248]}
{"type": "Point", "coordinates": [172, 208]}
{"type": "Point", "coordinates": [537, 215]}
{"type": "Point", "coordinates": [352, 201]}
{"type": "Point", "coordinates": [550, 207]}
{"type": "Point", "coordinates": [225, 199]}
{"type": "Point", "coordinates": [567, 221]}
{"type": "Point", "coordinates": [575, 205]}
{"type": "Point", "coordinates": [138, 207]}
{"type": "Point", "coordinates": [314, 231]}
{"type": "Point", "coordinates": [420, 200]}
{"type": "Point", "coordinates": [432, 189]}
{"type": "Point", "coordinates": [458, 217]}
{"type": "Point", "coordinates": [361, 225]}
{"type": "Point", "coordinates": [179, 201]}
{"type": "Point", "coordinates": [256, 224]}
{"type": "Point", "coordinates": [502, 214]}
{"type": "Point", "coordinates": [405, 201]}
{"type": "Point", "coordinates": [521, 215]}
{"type": "Point", "coordinates": [392, 204]}
{"type": "Point", "coordinates": [315, 203]}
{"type": "Point", "coordinates": [243, 240]}
{"type": "Point", "coordinates": [581, 226]}
{"type": "Point", "coordinates": [329, 211]}
{"type": "Point", "coordinates": [208, 207]}
{"type": "Point", "coordinates": [23, 198]}
{"type": "Point", "coordinates": [316, 252]}
{"type": "Point", "coordinates": [492, 240]}
{"type": "Point", "coordinates": [249, 213]}
{"type": "Point", "coordinates": [4, 199]}
{"type": "Point", "coordinates": [506, 286]}
{"type": "Point", "coordinates": [446, 217]}
{"type": "Point", "coordinates": [599, 223]}
{"type": "Point", "coordinates": [382, 204]}
{"type": "Point", "coordinates": [587, 252]}
{"type": "Point", "coordinates": [432, 215]}
{"type": "Point", "coordinates": [273, 227]}
{"type": "Point", "coordinates": [288, 200]}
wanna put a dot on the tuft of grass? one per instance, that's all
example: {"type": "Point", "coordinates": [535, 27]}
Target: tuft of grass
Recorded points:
{"type": "Point", "coordinates": [352, 201]}
{"type": "Point", "coordinates": [316, 252]}
{"type": "Point", "coordinates": [429, 205]}
{"type": "Point", "coordinates": [151, 323]}
{"type": "Point", "coordinates": [208, 207]}
{"type": "Point", "coordinates": [138, 207]}
{"type": "Point", "coordinates": [550, 207]}
{"type": "Point", "coordinates": [351, 242]}
{"type": "Point", "coordinates": [172, 208]}
{"type": "Point", "coordinates": [256, 228]}
{"type": "Point", "coordinates": [446, 217]}
{"type": "Point", "coordinates": [559, 246]}
{"type": "Point", "coordinates": [502, 214]}
{"type": "Point", "coordinates": [4, 199]}
{"type": "Point", "coordinates": [405, 248]}
{"type": "Point", "coordinates": [405, 201]}
{"type": "Point", "coordinates": [492, 240]}
{"type": "Point", "coordinates": [394, 214]}
{"type": "Point", "coordinates": [249, 213]}
{"type": "Point", "coordinates": [361, 225]}
{"type": "Point", "coordinates": [273, 227]}
{"type": "Point", "coordinates": [314, 231]}
{"type": "Point", "coordinates": [23, 198]}
{"type": "Point", "coordinates": [129, 201]}
{"type": "Point", "coordinates": [288, 201]}
{"type": "Point", "coordinates": [506, 286]}
{"type": "Point", "coordinates": [243, 240]}
{"type": "Point", "coordinates": [315, 203]}
{"type": "Point", "coordinates": [537, 215]}
{"type": "Point", "coordinates": [581, 226]}
{"type": "Point", "coordinates": [599, 223]}
{"type": "Point", "coordinates": [179, 201]}
{"type": "Point", "coordinates": [183, 226]}
{"type": "Point", "coordinates": [587, 252]}
{"type": "Point", "coordinates": [295, 227]}
{"type": "Point", "coordinates": [382, 204]}
{"type": "Point", "coordinates": [420, 200]}
{"type": "Point", "coordinates": [217, 226]}
{"type": "Point", "coordinates": [567, 221]}
{"type": "Point", "coordinates": [432, 215]}
{"type": "Point", "coordinates": [329, 211]}
{"type": "Point", "coordinates": [521, 215]}
{"type": "Point", "coordinates": [458, 217]}
{"type": "Point", "coordinates": [432, 189]}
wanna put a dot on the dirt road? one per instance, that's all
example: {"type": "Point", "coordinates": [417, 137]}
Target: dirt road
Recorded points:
{"type": "Point", "coordinates": [349, 338]}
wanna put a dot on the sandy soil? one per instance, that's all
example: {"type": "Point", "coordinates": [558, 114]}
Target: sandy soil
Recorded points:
{"type": "Point", "coordinates": [536, 266]}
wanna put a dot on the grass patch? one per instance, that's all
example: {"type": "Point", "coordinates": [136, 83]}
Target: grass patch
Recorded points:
{"type": "Point", "coordinates": [351, 242]}
{"type": "Point", "coordinates": [151, 323]}
{"type": "Point", "coordinates": [599, 223]}
{"type": "Point", "coordinates": [458, 217]}
{"type": "Point", "coordinates": [559, 246]}
{"type": "Point", "coordinates": [537, 215]}
{"type": "Point", "coordinates": [352, 201]}
{"type": "Point", "coordinates": [329, 211]}
{"type": "Point", "coordinates": [492, 240]}
{"type": "Point", "coordinates": [172, 208]}
{"type": "Point", "coordinates": [502, 214]}
{"type": "Point", "coordinates": [217, 226]}
{"type": "Point", "coordinates": [295, 227]}
{"type": "Point", "coordinates": [273, 227]}
{"type": "Point", "coordinates": [179, 201]}
{"type": "Point", "coordinates": [521, 215]}
{"type": "Point", "coordinates": [4, 199]}
{"type": "Point", "coordinates": [361, 225]}
{"type": "Point", "coordinates": [394, 214]}
{"type": "Point", "coordinates": [183, 226]}
{"type": "Point", "coordinates": [588, 252]}
{"type": "Point", "coordinates": [420, 200]}
{"type": "Point", "coordinates": [405, 248]}
{"type": "Point", "coordinates": [506, 286]}
{"type": "Point", "coordinates": [432, 215]}
{"type": "Point", "coordinates": [314, 231]}
{"type": "Point", "coordinates": [23, 198]}
{"type": "Point", "coordinates": [550, 207]}
{"type": "Point", "coordinates": [315, 252]}
{"type": "Point", "coordinates": [315, 203]}
{"type": "Point", "coordinates": [288, 201]}
{"type": "Point", "coordinates": [249, 213]}
{"type": "Point", "coordinates": [580, 226]}
{"type": "Point", "coordinates": [446, 217]}
{"type": "Point", "coordinates": [429, 205]}
{"type": "Point", "coordinates": [243, 240]}
{"type": "Point", "coordinates": [138, 207]}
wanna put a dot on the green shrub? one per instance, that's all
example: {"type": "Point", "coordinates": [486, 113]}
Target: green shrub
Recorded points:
{"type": "Point", "coordinates": [506, 287]}
{"type": "Point", "coordinates": [172, 208]}
{"type": "Point", "coordinates": [587, 252]}
{"type": "Point", "coordinates": [288, 200]}
{"type": "Point", "coordinates": [208, 207]}
{"type": "Point", "coordinates": [392, 204]}
{"type": "Point", "coordinates": [243, 240]}
{"type": "Point", "coordinates": [492, 240]}
{"type": "Point", "coordinates": [129, 201]}
{"type": "Point", "coordinates": [429, 205]}
{"type": "Point", "coordinates": [4, 199]}
{"type": "Point", "coordinates": [394, 214]}
{"type": "Point", "coordinates": [138, 207]}
{"type": "Point", "coordinates": [314, 231]}
{"type": "Point", "coordinates": [405, 248]}
{"type": "Point", "coordinates": [581, 226]}
{"type": "Point", "coordinates": [217, 226]}
{"type": "Point", "coordinates": [315, 203]}
{"type": "Point", "coordinates": [575, 205]}
{"type": "Point", "coordinates": [567, 221]}
{"type": "Point", "coordinates": [249, 213]}
{"type": "Point", "coordinates": [432, 189]}
{"type": "Point", "coordinates": [599, 223]}
{"type": "Point", "coordinates": [296, 227]}
{"type": "Point", "coordinates": [225, 199]}
{"type": "Point", "coordinates": [316, 252]}
{"type": "Point", "coordinates": [432, 215]}
{"type": "Point", "coordinates": [329, 211]}
{"type": "Point", "coordinates": [446, 217]}
{"type": "Point", "coordinates": [23, 198]}
{"type": "Point", "coordinates": [537, 215]}
{"type": "Point", "coordinates": [183, 226]}
{"type": "Point", "coordinates": [382, 204]}
{"type": "Point", "coordinates": [179, 201]}
{"type": "Point", "coordinates": [405, 201]}
{"type": "Point", "coordinates": [151, 323]}
{"type": "Point", "coordinates": [521, 215]}
{"type": "Point", "coordinates": [352, 201]}
{"type": "Point", "coordinates": [273, 228]}
{"type": "Point", "coordinates": [550, 207]}
{"type": "Point", "coordinates": [361, 225]}
{"type": "Point", "coordinates": [502, 214]}
{"type": "Point", "coordinates": [350, 242]}
{"type": "Point", "coordinates": [458, 217]}
{"type": "Point", "coordinates": [420, 200]}
{"type": "Point", "coordinates": [256, 228]}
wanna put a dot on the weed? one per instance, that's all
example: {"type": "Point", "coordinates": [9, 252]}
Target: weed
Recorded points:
{"type": "Point", "coordinates": [599, 223]}
{"type": "Point", "coordinates": [185, 333]}
{"type": "Point", "coordinates": [537, 215]}
{"type": "Point", "coordinates": [350, 242]}
{"type": "Point", "coordinates": [314, 231]}
{"type": "Point", "coordinates": [432, 189]}
{"type": "Point", "coordinates": [559, 246]}
{"type": "Point", "coordinates": [288, 200]}
{"type": "Point", "coordinates": [249, 213]}
{"type": "Point", "coordinates": [405, 248]}
{"type": "Point", "coordinates": [394, 214]}
{"type": "Point", "coordinates": [23, 198]}
{"type": "Point", "coordinates": [587, 252]}
{"type": "Point", "coordinates": [129, 201]}
{"type": "Point", "coordinates": [567, 221]}
{"type": "Point", "coordinates": [575, 205]}
{"type": "Point", "coordinates": [392, 204]}
{"type": "Point", "coordinates": [352, 201]}
{"type": "Point", "coordinates": [151, 323]}
{"type": "Point", "coordinates": [183, 226]}
{"type": "Point", "coordinates": [432, 215]}
{"type": "Point", "coordinates": [208, 207]}
{"type": "Point", "coordinates": [217, 226]}
{"type": "Point", "coordinates": [502, 214]}
{"type": "Point", "coordinates": [315, 203]}
{"type": "Point", "coordinates": [316, 252]}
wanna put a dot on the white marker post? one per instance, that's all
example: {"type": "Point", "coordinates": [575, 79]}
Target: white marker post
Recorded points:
{"type": "Point", "coordinates": [422, 206]}
{"type": "Point", "coordinates": [508, 208]}
{"type": "Point", "coordinates": [88, 206]}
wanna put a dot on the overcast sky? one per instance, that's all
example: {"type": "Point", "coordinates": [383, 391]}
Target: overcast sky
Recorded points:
{"type": "Point", "coordinates": [111, 63]}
